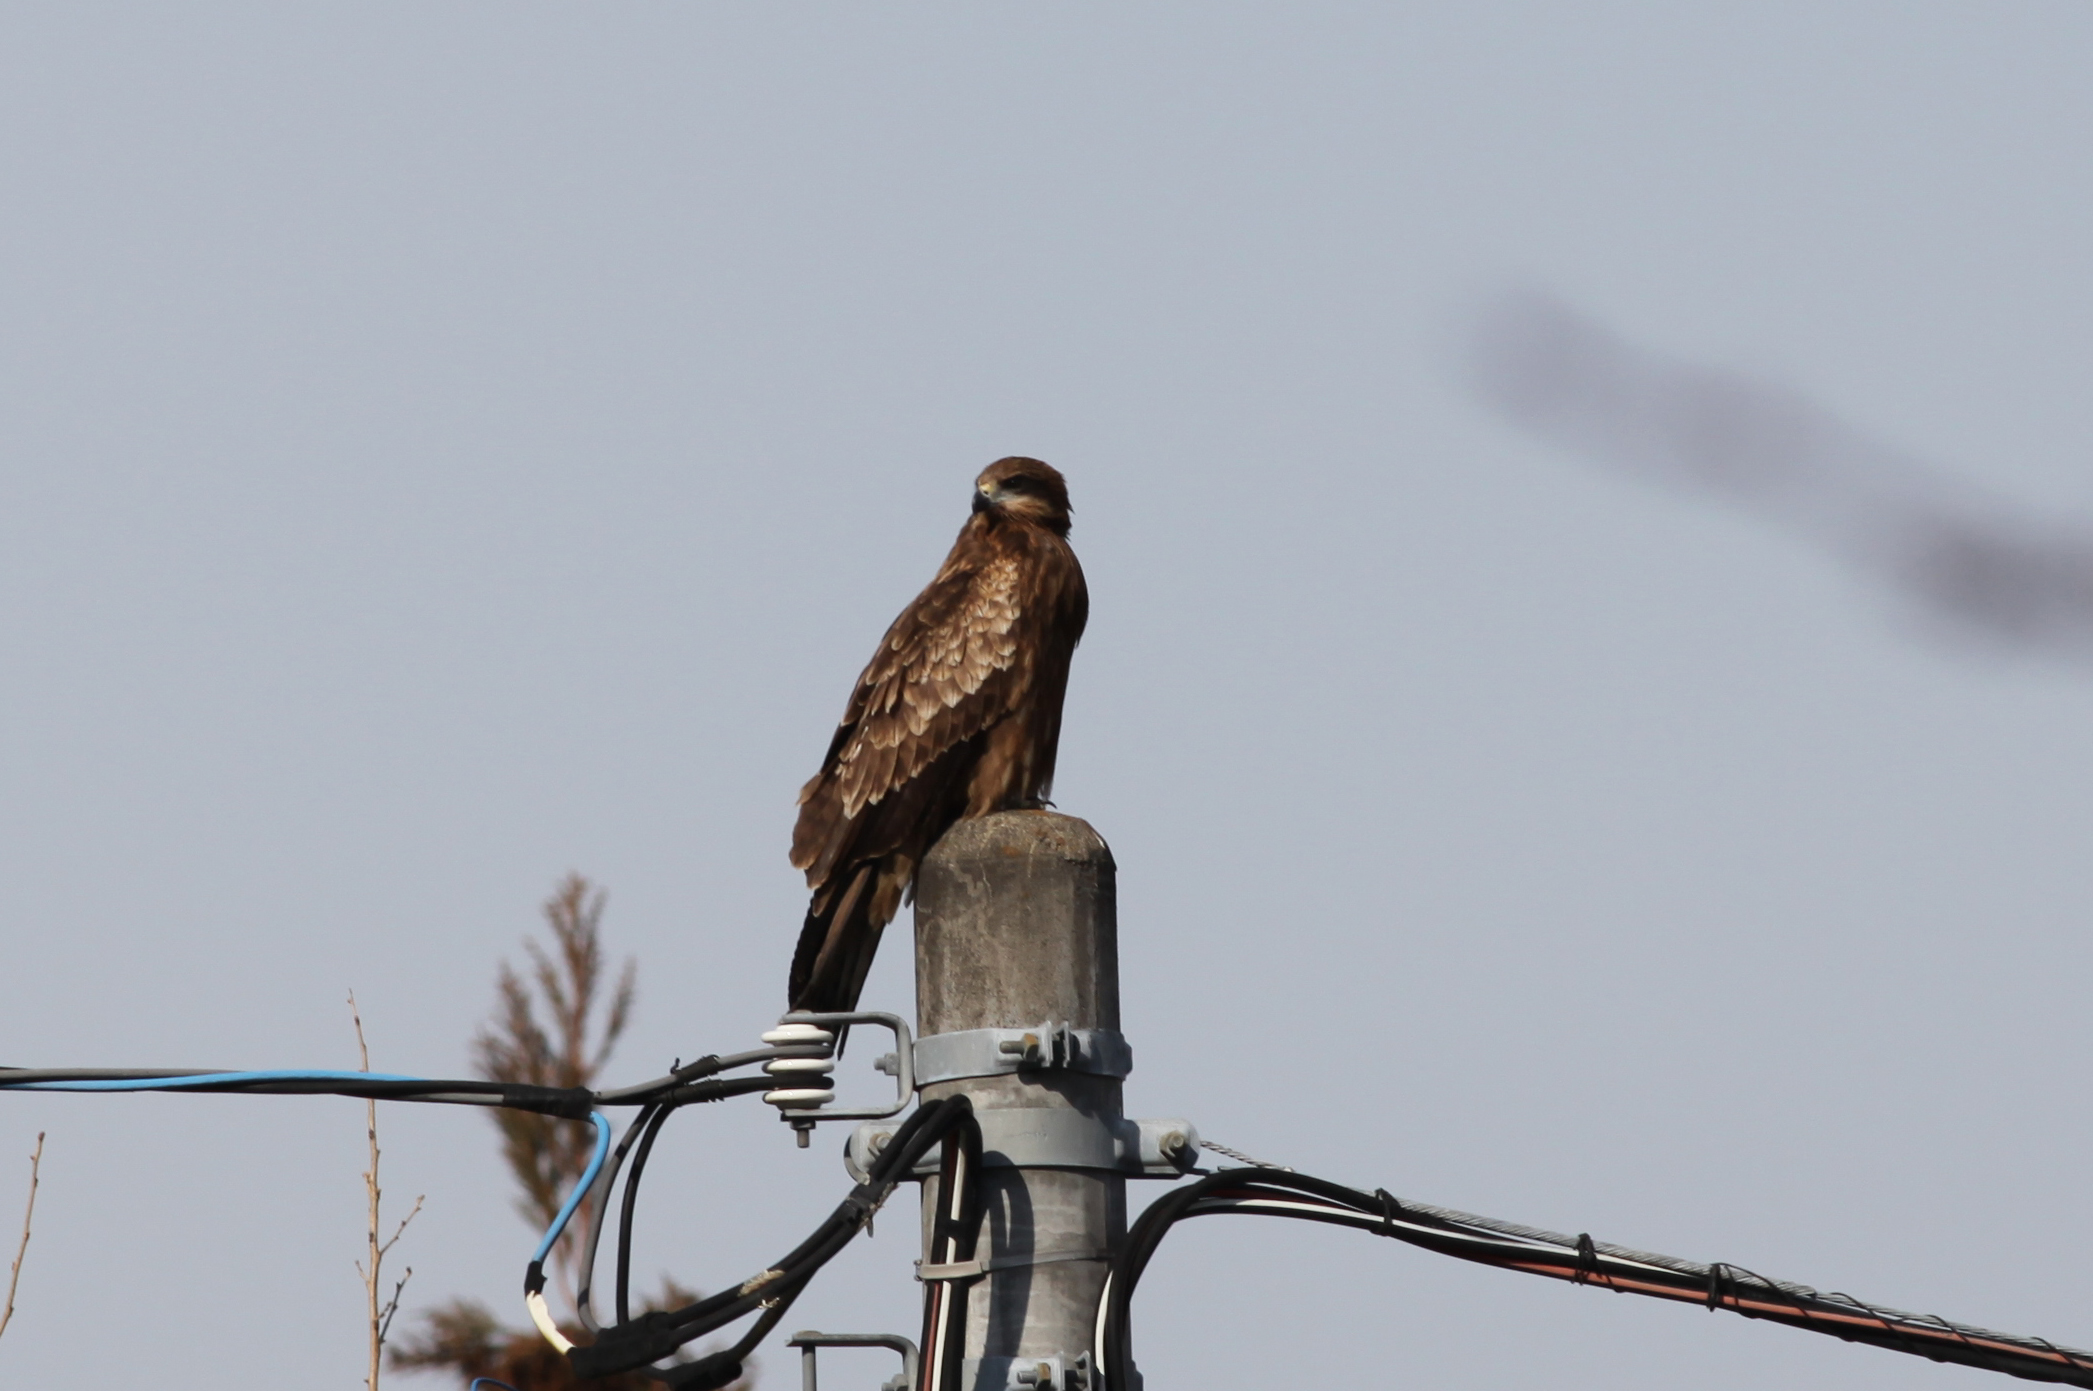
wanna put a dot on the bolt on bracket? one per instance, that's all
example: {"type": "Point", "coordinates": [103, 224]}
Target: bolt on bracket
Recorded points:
{"type": "Point", "coordinates": [1056, 1373]}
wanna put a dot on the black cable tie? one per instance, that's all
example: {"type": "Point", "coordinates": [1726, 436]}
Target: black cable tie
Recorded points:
{"type": "Point", "coordinates": [533, 1279]}
{"type": "Point", "coordinates": [1715, 1277]}
{"type": "Point", "coordinates": [1390, 1209]}
{"type": "Point", "coordinates": [1587, 1259]}
{"type": "Point", "coordinates": [865, 1200]}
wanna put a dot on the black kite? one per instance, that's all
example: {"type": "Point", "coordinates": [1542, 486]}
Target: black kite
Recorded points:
{"type": "Point", "coordinates": [958, 714]}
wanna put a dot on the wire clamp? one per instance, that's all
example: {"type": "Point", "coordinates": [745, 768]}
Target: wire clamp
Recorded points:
{"type": "Point", "coordinates": [1391, 1208]}
{"type": "Point", "coordinates": [1587, 1259]}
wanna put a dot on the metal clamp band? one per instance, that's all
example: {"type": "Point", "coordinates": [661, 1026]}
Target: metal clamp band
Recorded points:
{"type": "Point", "coordinates": [1054, 1137]}
{"type": "Point", "coordinates": [995, 1052]}
{"type": "Point", "coordinates": [972, 1270]}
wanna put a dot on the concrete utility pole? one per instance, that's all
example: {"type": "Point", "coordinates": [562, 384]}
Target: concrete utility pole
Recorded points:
{"type": "Point", "coordinates": [1017, 970]}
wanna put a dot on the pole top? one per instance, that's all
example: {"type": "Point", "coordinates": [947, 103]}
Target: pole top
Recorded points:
{"type": "Point", "coordinates": [1009, 834]}
{"type": "Point", "coordinates": [1016, 923]}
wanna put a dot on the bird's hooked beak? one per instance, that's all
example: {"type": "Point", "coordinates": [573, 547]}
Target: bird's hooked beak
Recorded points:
{"type": "Point", "coordinates": [984, 497]}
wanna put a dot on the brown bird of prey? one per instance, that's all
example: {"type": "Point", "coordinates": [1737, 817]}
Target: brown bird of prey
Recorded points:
{"type": "Point", "coordinates": [958, 714]}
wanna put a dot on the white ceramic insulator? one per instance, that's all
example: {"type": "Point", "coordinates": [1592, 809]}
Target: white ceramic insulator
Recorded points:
{"type": "Point", "coordinates": [799, 1097]}
{"type": "Point", "coordinates": [785, 1067]}
{"type": "Point", "coordinates": [798, 1033]}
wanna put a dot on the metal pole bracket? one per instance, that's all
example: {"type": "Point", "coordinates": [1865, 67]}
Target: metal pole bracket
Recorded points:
{"type": "Point", "coordinates": [808, 1341]}
{"type": "Point", "coordinates": [1035, 1137]}
{"type": "Point", "coordinates": [1037, 1048]}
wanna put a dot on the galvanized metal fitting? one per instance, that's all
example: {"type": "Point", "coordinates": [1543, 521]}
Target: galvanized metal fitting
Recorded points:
{"type": "Point", "coordinates": [1059, 1372]}
{"type": "Point", "coordinates": [808, 1341]}
{"type": "Point", "coordinates": [1044, 1137]}
{"type": "Point", "coordinates": [1037, 1047]}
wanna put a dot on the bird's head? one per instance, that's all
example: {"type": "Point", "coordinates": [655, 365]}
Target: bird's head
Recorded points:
{"type": "Point", "coordinates": [1025, 489]}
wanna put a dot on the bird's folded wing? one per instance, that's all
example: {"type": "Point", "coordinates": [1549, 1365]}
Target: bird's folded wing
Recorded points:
{"type": "Point", "coordinates": [952, 664]}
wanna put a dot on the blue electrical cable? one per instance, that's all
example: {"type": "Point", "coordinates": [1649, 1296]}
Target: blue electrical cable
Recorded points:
{"type": "Point", "coordinates": [581, 1186]}
{"type": "Point", "coordinates": [201, 1079]}
{"type": "Point", "coordinates": [478, 1382]}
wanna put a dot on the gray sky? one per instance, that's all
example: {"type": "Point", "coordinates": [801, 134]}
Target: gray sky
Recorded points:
{"type": "Point", "coordinates": [449, 445]}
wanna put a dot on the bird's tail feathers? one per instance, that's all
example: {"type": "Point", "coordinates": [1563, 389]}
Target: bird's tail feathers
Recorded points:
{"type": "Point", "coordinates": [842, 931]}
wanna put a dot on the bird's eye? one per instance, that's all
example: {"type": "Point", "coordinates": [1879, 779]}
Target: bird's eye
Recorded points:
{"type": "Point", "coordinates": [1016, 485]}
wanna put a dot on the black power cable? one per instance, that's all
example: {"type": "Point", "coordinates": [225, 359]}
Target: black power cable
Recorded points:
{"type": "Point", "coordinates": [636, 1342]}
{"type": "Point", "coordinates": [573, 1103]}
{"type": "Point", "coordinates": [1257, 1190]}
{"type": "Point", "coordinates": [686, 1085]}
{"type": "Point", "coordinates": [691, 1082]}
{"type": "Point", "coordinates": [625, 1210]}
{"type": "Point", "coordinates": [955, 1230]}
{"type": "Point", "coordinates": [1578, 1259]}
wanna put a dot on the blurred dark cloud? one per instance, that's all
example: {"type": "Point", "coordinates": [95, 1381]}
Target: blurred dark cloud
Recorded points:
{"type": "Point", "coordinates": [1968, 558]}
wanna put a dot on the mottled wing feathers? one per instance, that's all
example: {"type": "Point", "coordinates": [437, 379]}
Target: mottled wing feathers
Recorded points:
{"type": "Point", "coordinates": [933, 684]}
{"type": "Point", "coordinates": [952, 664]}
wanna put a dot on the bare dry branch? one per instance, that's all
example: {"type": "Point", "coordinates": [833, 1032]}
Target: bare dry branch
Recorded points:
{"type": "Point", "coordinates": [380, 1315]}
{"type": "Point", "coordinates": [392, 1306]}
{"type": "Point", "coordinates": [14, 1274]}
{"type": "Point", "coordinates": [402, 1228]}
